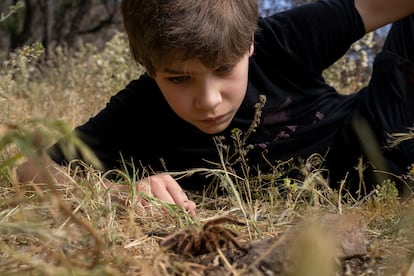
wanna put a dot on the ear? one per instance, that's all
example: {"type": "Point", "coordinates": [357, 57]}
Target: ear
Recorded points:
{"type": "Point", "coordinates": [251, 49]}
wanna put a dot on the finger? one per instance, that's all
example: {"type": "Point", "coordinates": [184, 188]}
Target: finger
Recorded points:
{"type": "Point", "coordinates": [156, 186]}
{"type": "Point", "coordinates": [179, 196]}
{"type": "Point", "coordinates": [182, 201]}
{"type": "Point", "coordinates": [167, 189]}
{"type": "Point", "coordinates": [190, 207]}
{"type": "Point", "coordinates": [146, 206]}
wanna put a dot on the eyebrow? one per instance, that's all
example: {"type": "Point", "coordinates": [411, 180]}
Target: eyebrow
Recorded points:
{"type": "Point", "coordinates": [174, 71]}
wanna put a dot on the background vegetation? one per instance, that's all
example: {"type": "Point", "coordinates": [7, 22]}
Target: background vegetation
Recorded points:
{"type": "Point", "coordinates": [53, 78]}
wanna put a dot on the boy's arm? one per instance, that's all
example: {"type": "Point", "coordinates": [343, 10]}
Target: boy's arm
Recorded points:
{"type": "Point", "coordinates": [161, 186]}
{"type": "Point", "coordinates": [30, 171]}
{"type": "Point", "coordinates": [377, 13]}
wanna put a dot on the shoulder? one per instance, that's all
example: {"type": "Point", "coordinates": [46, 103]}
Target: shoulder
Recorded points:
{"type": "Point", "coordinates": [143, 86]}
{"type": "Point", "coordinates": [313, 35]}
{"type": "Point", "coordinates": [141, 93]}
{"type": "Point", "coordinates": [141, 100]}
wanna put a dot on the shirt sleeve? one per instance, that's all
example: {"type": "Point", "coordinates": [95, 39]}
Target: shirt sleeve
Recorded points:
{"type": "Point", "coordinates": [312, 36]}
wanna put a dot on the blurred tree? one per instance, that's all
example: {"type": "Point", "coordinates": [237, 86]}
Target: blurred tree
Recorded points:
{"type": "Point", "coordinates": [57, 22]}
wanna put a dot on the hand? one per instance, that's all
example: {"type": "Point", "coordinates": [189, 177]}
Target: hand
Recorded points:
{"type": "Point", "coordinates": [161, 186]}
{"type": "Point", "coordinates": [165, 188]}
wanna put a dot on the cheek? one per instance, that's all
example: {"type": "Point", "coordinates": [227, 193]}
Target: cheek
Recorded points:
{"type": "Point", "coordinates": [176, 97]}
{"type": "Point", "coordinates": [177, 100]}
{"type": "Point", "coordinates": [239, 85]}
{"type": "Point", "coordinates": [179, 104]}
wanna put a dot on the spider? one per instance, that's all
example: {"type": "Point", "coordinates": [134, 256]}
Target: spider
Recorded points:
{"type": "Point", "coordinates": [211, 237]}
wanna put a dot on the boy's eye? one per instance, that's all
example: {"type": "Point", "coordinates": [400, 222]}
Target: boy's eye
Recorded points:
{"type": "Point", "coordinates": [179, 79]}
{"type": "Point", "coordinates": [224, 69]}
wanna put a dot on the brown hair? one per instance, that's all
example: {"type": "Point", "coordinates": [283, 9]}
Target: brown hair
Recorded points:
{"type": "Point", "coordinates": [218, 32]}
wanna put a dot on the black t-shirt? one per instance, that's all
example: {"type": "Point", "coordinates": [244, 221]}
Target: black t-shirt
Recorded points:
{"type": "Point", "coordinates": [302, 115]}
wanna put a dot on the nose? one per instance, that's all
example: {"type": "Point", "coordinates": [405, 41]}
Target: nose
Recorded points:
{"type": "Point", "coordinates": [208, 95]}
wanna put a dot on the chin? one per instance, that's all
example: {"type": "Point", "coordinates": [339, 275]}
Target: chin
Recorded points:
{"type": "Point", "coordinates": [213, 130]}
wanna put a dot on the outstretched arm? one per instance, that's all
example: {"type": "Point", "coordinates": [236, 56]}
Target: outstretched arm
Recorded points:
{"type": "Point", "coordinates": [377, 13]}
{"type": "Point", "coordinates": [161, 186]}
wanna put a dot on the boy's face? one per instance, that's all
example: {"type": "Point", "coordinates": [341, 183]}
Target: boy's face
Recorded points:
{"type": "Point", "coordinates": [204, 97]}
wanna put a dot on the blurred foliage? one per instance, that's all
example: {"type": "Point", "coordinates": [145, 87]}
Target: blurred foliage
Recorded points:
{"type": "Point", "coordinates": [352, 72]}
{"type": "Point", "coordinates": [12, 10]}
{"type": "Point", "coordinates": [68, 86]}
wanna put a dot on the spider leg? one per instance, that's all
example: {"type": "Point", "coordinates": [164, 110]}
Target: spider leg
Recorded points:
{"type": "Point", "coordinates": [226, 237]}
{"type": "Point", "coordinates": [210, 243]}
{"type": "Point", "coordinates": [177, 241]}
{"type": "Point", "coordinates": [221, 220]}
{"type": "Point", "coordinates": [185, 243]}
{"type": "Point", "coordinates": [199, 242]}
{"type": "Point", "coordinates": [219, 230]}
{"type": "Point", "coordinates": [171, 240]}
{"type": "Point", "coordinates": [230, 238]}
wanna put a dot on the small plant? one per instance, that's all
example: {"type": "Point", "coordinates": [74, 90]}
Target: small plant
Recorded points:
{"type": "Point", "coordinates": [16, 70]}
{"type": "Point", "coordinates": [12, 10]}
{"type": "Point", "coordinates": [410, 174]}
{"type": "Point", "coordinates": [387, 192]}
{"type": "Point", "coordinates": [397, 138]}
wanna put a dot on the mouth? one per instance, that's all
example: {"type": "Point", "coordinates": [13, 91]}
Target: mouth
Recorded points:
{"type": "Point", "coordinates": [215, 120]}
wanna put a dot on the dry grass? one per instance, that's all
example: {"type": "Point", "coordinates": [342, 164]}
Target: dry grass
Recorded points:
{"type": "Point", "coordinates": [78, 228]}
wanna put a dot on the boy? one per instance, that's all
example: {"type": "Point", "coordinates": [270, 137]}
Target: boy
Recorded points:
{"type": "Point", "coordinates": [208, 63]}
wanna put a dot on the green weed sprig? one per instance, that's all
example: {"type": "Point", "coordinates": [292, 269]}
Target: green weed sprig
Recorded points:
{"type": "Point", "coordinates": [12, 10]}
